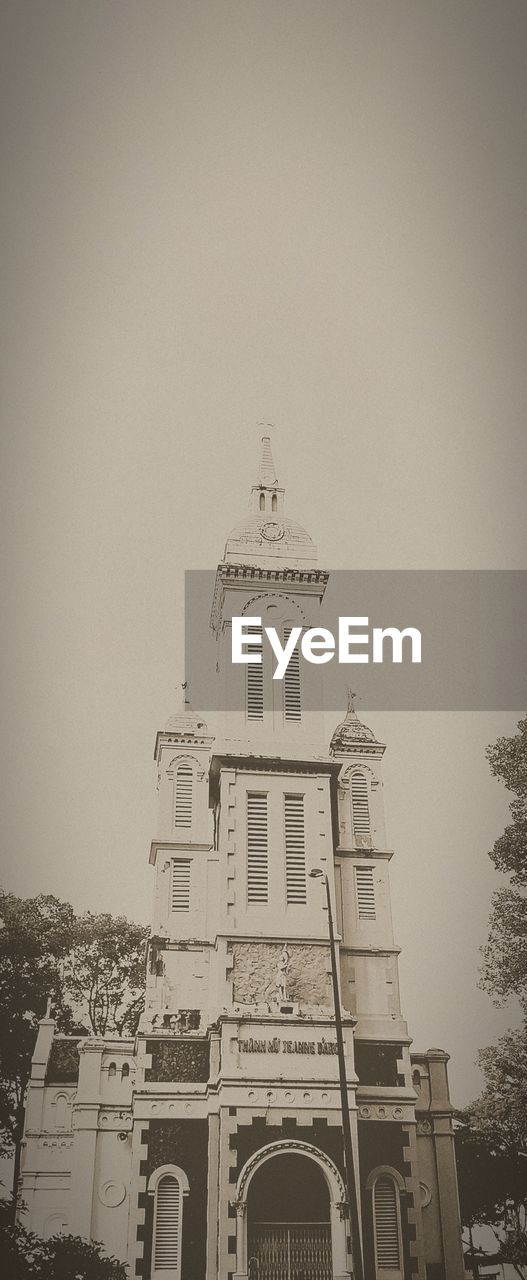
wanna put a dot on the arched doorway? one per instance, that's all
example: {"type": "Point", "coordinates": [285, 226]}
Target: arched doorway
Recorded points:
{"type": "Point", "coordinates": [291, 1220]}
{"type": "Point", "coordinates": [288, 1221]}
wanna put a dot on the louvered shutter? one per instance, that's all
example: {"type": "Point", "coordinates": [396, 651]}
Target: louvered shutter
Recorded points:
{"type": "Point", "coordinates": [360, 805]}
{"type": "Point", "coordinates": [255, 679]}
{"type": "Point", "coordinates": [291, 683]}
{"type": "Point", "coordinates": [167, 1243]}
{"type": "Point", "coordinates": [180, 884]}
{"type": "Point", "coordinates": [257, 848]}
{"type": "Point", "coordinates": [183, 802]}
{"type": "Point", "coordinates": [295, 850]}
{"type": "Point", "coordinates": [365, 893]}
{"type": "Point", "coordinates": [386, 1224]}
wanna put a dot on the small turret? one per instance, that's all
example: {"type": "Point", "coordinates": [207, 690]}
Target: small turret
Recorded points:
{"type": "Point", "coordinates": [351, 732]}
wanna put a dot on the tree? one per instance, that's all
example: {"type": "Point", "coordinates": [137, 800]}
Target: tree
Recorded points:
{"type": "Point", "coordinates": [491, 1150]}
{"type": "Point", "coordinates": [492, 1191]}
{"type": "Point", "coordinates": [90, 968]}
{"type": "Point", "coordinates": [491, 1140]}
{"type": "Point", "coordinates": [504, 972]}
{"type": "Point", "coordinates": [104, 973]}
{"type": "Point", "coordinates": [505, 955]}
{"type": "Point", "coordinates": [27, 1257]}
{"type": "Point", "coordinates": [35, 935]}
{"type": "Point", "coordinates": [508, 761]}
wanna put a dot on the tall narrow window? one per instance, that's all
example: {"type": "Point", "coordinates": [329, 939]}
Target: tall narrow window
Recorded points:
{"type": "Point", "coordinates": [167, 1227]}
{"type": "Point", "coordinates": [61, 1111]}
{"type": "Point", "coordinates": [262, 502]}
{"type": "Point", "coordinates": [257, 847]}
{"type": "Point", "coordinates": [365, 893]}
{"type": "Point", "coordinates": [274, 502]}
{"type": "Point", "coordinates": [180, 889]}
{"type": "Point", "coordinates": [360, 806]}
{"type": "Point", "coordinates": [295, 850]}
{"type": "Point", "coordinates": [386, 1221]}
{"type": "Point", "coordinates": [255, 682]}
{"type": "Point", "coordinates": [183, 799]}
{"type": "Point", "coordinates": [291, 683]}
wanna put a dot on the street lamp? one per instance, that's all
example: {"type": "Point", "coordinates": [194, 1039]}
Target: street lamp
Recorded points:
{"type": "Point", "coordinates": [351, 1186]}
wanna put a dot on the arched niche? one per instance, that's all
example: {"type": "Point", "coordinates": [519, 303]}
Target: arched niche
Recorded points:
{"type": "Point", "coordinates": [334, 1200]}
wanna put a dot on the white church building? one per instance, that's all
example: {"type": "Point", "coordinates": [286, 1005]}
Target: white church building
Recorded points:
{"type": "Point", "coordinates": [210, 1146]}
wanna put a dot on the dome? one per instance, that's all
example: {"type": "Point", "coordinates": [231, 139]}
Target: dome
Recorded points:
{"type": "Point", "coordinates": [264, 541]}
{"type": "Point", "coordinates": [350, 732]}
{"type": "Point", "coordinates": [186, 721]}
{"type": "Point", "coordinates": [190, 723]}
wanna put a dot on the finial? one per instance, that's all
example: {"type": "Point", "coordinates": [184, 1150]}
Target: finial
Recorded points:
{"type": "Point", "coordinates": [351, 700]}
{"type": "Point", "coordinates": [183, 696]}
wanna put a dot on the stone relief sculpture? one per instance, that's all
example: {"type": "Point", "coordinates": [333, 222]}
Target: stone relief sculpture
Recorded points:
{"type": "Point", "coordinates": [282, 975]}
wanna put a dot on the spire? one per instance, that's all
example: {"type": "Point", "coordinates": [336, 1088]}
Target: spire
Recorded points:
{"type": "Point", "coordinates": [266, 471]}
{"type": "Point", "coordinates": [267, 536]}
{"type": "Point", "coordinates": [267, 498]}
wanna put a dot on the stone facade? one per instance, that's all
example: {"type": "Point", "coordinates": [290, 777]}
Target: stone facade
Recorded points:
{"type": "Point", "coordinates": [211, 1144]}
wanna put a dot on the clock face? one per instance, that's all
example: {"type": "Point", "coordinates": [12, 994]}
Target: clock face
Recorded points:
{"type": "Point", "coordinates": [272, 531]}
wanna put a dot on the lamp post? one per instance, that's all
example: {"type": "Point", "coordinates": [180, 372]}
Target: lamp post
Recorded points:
{"type": "Point", "coordinates": [351, 1186]}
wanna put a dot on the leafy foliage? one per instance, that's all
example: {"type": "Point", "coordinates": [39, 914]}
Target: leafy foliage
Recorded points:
{"type": "Point", "coordinates": [104, 972]}
{"type": "Point", "coordinates": [35, 935]}
{"type": "Point", "coordinates": [508, 761]}
{"type": "Point", "coordinates": [504, 971]}
{"type": "Point", "coordinates": [26, 1256]}
{"type": "Point", "coordinates": [491, 1139]}
{"type": "Point", "coordinates": [492, 1173]}
{"type": "Point", "coordinates": [505, 955]}
{"type": "Point", "coordinates": [90, 968]}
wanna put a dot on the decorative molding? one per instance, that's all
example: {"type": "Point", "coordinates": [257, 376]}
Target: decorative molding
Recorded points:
{"type": "Point", "coordinates": [384, 1112]}
{"type": "Point", "coordinates": [171, 1170]}
{"type": "Point", "coordinates": [289, 1145]}
{"type": "Point", "coordinates": [426, 1194]}
{"type": "Point", "coordinates": [385, 1170]}
{"type": "Point", "coordinates": [112, 1193]}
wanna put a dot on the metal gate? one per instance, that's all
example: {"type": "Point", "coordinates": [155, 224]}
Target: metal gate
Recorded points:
{"type": "Point", "coordinates": [290, 1251]}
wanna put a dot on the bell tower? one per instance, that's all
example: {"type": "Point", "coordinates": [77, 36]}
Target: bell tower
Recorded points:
{"type": "Point", "coordinates": [269, 571]}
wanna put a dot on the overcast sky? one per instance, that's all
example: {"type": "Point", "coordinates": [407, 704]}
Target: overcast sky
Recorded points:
{"type": "Point", "coordinates": [306, 212]}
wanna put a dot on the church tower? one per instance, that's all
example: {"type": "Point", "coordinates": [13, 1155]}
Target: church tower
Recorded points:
{"type": "Point", "coordinates": [219, 1152]}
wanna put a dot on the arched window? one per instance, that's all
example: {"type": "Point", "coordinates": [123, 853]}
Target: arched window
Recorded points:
{"type": "Point", "coordinates": [61, 1111]}
{"type": "Point", "coordinates": [183, 795]}
{"type": "Point", "coordinates": [125, 1070]}
{"type": "Point", "coordinates": [291, 683]}
{"type": "Point", "coordinates": [274, 502]}
{"type": "Point", "coordinates": [169, 1185]}
{"type": "Point", "coordinates": [262, 502]}
{"type": "Point", "coordinates": [386, 1224]}
{"type": "Point", "coordinates": [360, 807]}
{"type": "Point", "coordinates": [255, 681]}
{"type": "Point", "coordinates": [112, 1071]}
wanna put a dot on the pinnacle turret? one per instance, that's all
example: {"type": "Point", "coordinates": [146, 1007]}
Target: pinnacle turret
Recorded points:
{"type": "Point", "coordinates": [350, 731]}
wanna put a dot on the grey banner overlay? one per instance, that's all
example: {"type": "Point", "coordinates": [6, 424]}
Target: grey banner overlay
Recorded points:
{"type": "Point", "coordinates": [473, 626]}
